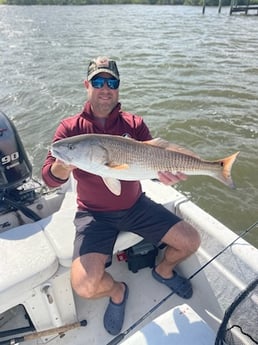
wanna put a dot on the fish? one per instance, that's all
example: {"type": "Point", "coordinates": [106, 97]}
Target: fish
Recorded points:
{"type": "Point", "coordinates": [116, 158]}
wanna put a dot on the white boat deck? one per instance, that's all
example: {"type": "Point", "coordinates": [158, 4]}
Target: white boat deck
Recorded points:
{"type": "Point", "coordinates": [180, 325]}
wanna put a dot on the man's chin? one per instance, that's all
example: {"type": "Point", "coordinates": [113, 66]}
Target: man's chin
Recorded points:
{"type": "Point", "coordinates": [107, 107]}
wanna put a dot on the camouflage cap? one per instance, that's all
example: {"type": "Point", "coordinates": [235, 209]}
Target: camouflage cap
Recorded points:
{"type": "Point", "coordinates": [102, 64]}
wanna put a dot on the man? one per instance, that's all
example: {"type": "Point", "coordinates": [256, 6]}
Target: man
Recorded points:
{"type": "Point", "coordinates": [101, 214]}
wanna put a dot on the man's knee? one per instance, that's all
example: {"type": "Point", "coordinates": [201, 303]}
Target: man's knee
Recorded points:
{"type": "Point", "coordinates": [184, 237]}
{"type": "Point", "coordinates": [191, 237]}
{"type": "Point", "coordinates": [194, 240]}
{"type": "Point", "coordinates": [84, 287]}
{"type": "Point", "coordinates": [85, 282]}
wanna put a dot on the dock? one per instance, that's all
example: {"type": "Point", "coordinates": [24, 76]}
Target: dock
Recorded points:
{"type": "Point", "coordinates": [235, 7]}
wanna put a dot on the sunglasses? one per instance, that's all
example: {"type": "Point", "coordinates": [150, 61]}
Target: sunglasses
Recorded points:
{"type": "Point", "coordinates": [99, 82]}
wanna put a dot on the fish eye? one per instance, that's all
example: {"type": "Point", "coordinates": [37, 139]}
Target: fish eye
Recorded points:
{"type": "Point", "coordinates": [70, 146]}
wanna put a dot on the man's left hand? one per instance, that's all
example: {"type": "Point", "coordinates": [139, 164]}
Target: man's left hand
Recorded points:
{"type": "Point", "coordinates": [168, 178]}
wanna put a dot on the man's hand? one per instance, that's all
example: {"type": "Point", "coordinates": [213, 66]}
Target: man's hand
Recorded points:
{"type": "Point", "coordinates": [169, 179]}
{"type": "Point", "coordinates": [61, 169]}
{"type": "Point", "coordinates": [64, 165]}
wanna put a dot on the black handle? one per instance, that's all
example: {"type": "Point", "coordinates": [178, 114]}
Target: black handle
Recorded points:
{"type": "Point", "coordinates": [24, 209]}
{"type": "Point", "coordinates": [12, 341]}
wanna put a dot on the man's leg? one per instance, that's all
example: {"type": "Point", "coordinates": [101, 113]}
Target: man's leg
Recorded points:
{"type": "Point", "coordinates": [182, 240]}
{"type": "Point", "coordinates": [90, 280]}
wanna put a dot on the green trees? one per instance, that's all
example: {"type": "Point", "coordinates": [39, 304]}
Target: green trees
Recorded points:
{"type": "Point", "coordinates": [91, 2]}
{"type": "Point", "coordinates": [102, 2]}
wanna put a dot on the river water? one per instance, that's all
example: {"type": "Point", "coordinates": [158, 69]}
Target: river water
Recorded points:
{"type": "Point", "coordinates": [193, 77]}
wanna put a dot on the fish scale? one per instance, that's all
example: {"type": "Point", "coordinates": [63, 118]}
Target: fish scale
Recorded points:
{"type": "Point", "coordinates": [156, 158]}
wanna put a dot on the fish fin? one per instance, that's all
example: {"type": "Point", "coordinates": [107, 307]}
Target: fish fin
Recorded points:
{"type": "Point", "coordinates": [170, 146]}
{"type": "Point", "coordinates": [117, 166]}
{"type": "Point", "coordinates": [113, 185]}
{"type": "Point", "coordinates": [157, 142]}
{"type": "Point", "coordinates": [225, 174]}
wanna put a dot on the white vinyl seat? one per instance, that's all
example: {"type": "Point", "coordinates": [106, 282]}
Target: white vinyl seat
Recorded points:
{"type": "Point", "coordinates": [27, 260]}
{"type": "Point", "coordinates": [60, 231]}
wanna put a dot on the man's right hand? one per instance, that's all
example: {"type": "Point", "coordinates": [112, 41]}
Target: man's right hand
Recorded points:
{"type": "Point", "coordinates": [61, 170]}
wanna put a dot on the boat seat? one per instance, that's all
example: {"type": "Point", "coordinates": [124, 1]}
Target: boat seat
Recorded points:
{"type": "Point", "coordinates": [180, 325]}
{"type": "Point", "coordinates": [27, 260]}
{"type": "Point", "coordinates": [60, 231]}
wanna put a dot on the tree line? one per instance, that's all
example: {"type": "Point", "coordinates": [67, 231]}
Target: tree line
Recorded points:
{"type": "Point", "coordinates": [107, 2]}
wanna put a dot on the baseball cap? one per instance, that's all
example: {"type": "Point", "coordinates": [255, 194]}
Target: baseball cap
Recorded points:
{"type": "Point", "coordinates": [102, 64]}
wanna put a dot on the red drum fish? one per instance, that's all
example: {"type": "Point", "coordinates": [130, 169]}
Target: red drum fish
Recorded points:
{"type": "Point", "coordinates": [117, 158]}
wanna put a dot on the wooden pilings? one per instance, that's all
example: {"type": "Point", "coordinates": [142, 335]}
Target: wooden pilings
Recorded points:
{"type": "Point", "coordinates": [204, 6]}
{"type": "Point", "coordinates": [234, 7]}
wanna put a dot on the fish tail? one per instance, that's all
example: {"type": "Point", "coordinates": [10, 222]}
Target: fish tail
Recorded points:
{"type": "Point", "coordinates": [224, 175]}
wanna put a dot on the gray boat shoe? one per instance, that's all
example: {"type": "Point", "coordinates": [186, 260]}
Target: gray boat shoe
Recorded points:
{"type": "Point", "coordinates": [114, 314]}
{"type": "Point", "coordinates": [180, 285]}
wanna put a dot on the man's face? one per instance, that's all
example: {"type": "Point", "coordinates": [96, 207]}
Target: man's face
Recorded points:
{"type": "Point", "coordinates": [104, 99]}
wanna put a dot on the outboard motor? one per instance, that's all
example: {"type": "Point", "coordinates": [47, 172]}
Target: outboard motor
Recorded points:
{"type": "Point", "coordinates": [15, 171]}
{"type": "Point", "coordinates": [15, 168]}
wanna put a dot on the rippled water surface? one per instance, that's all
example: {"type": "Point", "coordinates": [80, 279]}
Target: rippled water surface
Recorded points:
{"type": "Point", "coordinates": [193, 78]}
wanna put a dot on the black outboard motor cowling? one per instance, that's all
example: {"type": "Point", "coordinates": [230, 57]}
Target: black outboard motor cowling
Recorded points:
{"type": "Point", "coordinates": [15, 167]}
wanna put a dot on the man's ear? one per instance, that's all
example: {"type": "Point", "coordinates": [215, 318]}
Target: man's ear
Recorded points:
{"type": "Point", "coordinates": [86, 84]}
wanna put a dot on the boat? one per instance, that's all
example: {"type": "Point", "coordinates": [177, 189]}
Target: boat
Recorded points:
{"type": "Point", "coordinates": [38, 305]}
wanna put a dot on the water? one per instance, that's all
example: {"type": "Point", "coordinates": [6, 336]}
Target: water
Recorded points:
{"type": "Point", "coordinates": [193, 78]}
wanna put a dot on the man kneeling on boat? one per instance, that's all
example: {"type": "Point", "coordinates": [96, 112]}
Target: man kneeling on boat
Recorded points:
{"type": "Point", "coordinates": [102, 215]}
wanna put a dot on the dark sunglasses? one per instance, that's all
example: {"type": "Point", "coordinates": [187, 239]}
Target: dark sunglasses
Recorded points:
{"type": "Point", "coordinates": [99, 82]}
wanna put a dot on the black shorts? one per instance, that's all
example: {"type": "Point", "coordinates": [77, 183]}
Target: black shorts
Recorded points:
{"type": "Point", "coordinates": [97, 231]}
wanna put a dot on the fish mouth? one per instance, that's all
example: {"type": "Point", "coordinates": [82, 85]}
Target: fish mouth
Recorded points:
{"type": "Point", "coordinates": [57, 154]}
